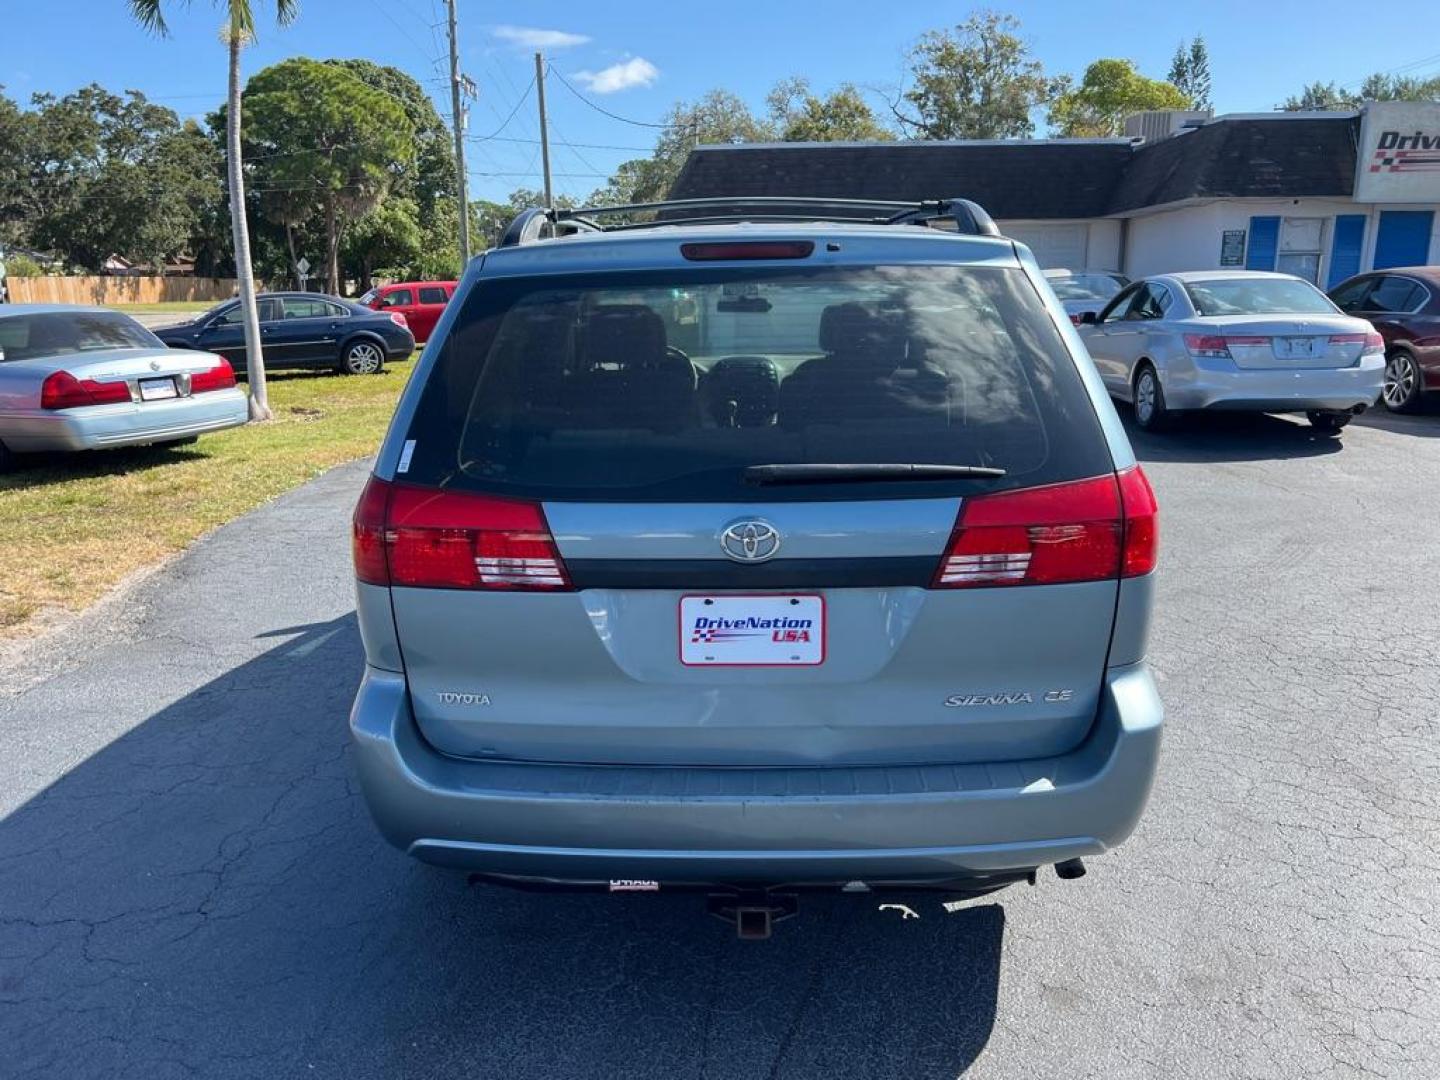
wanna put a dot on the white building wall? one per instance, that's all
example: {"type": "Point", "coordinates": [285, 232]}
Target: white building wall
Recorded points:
{"type": "Point", "coordinates": [1189, 237]}
{"type": "Point", "coordinates": [1105, 251]}
{"type": "Point", "coordinates": [1085, 244]}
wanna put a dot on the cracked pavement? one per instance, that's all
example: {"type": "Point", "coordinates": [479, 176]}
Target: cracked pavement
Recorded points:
{"type": "Point", "coordinates": [190, 884]}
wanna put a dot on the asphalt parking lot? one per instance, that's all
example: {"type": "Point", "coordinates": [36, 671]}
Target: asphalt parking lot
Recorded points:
{"type": "Point", "coordinates": [190, 886]}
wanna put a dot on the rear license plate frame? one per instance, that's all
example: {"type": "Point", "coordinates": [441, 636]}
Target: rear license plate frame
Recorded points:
{"type": "Point", "coordinates": [1298, 347]}
{"type": "Point", "coordinates": [806, 653]}
{"type": "Point", "coordinates": [159, 389]}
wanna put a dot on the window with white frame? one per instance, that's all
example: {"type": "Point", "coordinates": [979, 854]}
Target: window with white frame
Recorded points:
{"type": "Point", "coordinates": [1301, 241]}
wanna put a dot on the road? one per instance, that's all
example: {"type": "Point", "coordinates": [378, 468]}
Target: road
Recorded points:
{"type": "Point", "coordinates": [190, 886]}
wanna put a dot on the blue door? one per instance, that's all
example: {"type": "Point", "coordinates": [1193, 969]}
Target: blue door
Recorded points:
{"type": "Point", "coordinates": [1264, 243]}
{"type": "Point", "coordinates": [1403, 238]}
{"type": "Point", "coordinates": [1345, 250]}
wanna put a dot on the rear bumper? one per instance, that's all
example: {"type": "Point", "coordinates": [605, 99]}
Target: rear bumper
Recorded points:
{"type": "Point", "coordinates": [770, 826]}
{"type": "Point", "coordinates": [1204, 386]}
{"type": "Point", "coordinates": [96, 427]}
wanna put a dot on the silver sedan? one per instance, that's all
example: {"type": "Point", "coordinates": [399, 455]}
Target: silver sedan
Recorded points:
{"type": "Point", "coordinates": [77, 378]}
{"type": "Point", "coordinates": [1239, 340]}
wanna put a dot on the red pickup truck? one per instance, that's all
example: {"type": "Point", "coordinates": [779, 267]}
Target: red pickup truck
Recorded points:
{"type": "Point", "coordinates": [421, 302]}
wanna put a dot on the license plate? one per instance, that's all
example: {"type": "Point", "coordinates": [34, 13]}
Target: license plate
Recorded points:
{"type": "Point", "coordinates": [157, 389]}
{"type": "Point", "coordinates": [769, 630]}
{"type": "Point", "coordinates": [1297, 348]}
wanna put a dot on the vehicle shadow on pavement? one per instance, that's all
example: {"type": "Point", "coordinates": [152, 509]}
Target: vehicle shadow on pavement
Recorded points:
{"type": "Point", "coordinates": [207, 896]}
{"type": "Point", "coordinates": [1423, 422]}
{"type": "Point", "coordinates": [1229, 437]}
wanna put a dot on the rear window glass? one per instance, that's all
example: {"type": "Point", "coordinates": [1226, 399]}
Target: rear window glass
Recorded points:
{"type": "Point", "coordinates": [25, 337]}
{"type": "Point", "coordinates": [303, 307]}
{"type": "Point", "coordinates": [667, 385]}
{"type": "Point", "coordinates": [1086, 286]}
{"type": "Point", "coordinates": [1258, 296]}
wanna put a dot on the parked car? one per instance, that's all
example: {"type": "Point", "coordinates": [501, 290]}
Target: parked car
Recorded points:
{"type": "Point", "coordinates": [300, 330]}
{"type": "Point", "coordinates": [1234, 340]}
{"type": "Point", "coordinates": [82, 378]}
{"type": "Point", "coordinates": [1404, 306]}
{"type": "Point", "coordinates": [848, 592]}
{"type": "Point", "coordinates": [421, 302]}
{"type": "Point", "coordinates": [1085, 290]}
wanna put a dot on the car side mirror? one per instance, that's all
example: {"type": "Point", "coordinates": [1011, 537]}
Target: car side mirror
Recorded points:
{"type": "Point", "coordinates": [1089, 318]}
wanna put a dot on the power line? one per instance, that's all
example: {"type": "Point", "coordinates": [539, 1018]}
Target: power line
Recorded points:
{"type": "Point", "coordinates": [506, 122]}
{"type": "Point", "coordinates": [533, 174]}
{"type": "Point", "coordinates": [582, 145]}
{"type": "Point", "coordinates": [615, 116]}
{"type": "Point", "coordinates": [379, 6]}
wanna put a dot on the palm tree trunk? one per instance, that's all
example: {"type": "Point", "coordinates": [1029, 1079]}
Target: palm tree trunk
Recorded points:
{"type": "Point", "coordinates": [254, 359]}
{"type": "Point", "coordinates": [294, 262]}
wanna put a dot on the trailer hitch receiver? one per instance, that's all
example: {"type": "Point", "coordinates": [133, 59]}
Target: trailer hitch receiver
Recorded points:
{"type": "Point", "coordinates": [753, 914]}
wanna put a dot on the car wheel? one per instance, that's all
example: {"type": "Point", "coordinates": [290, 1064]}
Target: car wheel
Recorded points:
{"type": "Point", "coordinates": [362, 357]}
{"type": "Point", "coordinates": [1328, 423]}
{"type": "Point", "coordinates": [1402, 382]}
{"type": "Point", "coordinates": [1151, 412]}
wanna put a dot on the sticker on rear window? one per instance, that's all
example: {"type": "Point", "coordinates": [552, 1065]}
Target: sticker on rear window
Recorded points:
{"type": "Point", "coordinates": [406, 453]}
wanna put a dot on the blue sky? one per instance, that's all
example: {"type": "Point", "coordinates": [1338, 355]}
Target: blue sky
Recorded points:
{"type": "Point", "coordinates": [635, 59]}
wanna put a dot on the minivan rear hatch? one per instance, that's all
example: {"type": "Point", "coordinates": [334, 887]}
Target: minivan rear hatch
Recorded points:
{"type": "Point", "coordinates": [708, 516]}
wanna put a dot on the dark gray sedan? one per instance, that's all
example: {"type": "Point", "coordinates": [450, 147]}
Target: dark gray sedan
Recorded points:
{"type": "Point", "coordinates": [78, 378]}
{"type": "Point", "coordinates": [300, 330]}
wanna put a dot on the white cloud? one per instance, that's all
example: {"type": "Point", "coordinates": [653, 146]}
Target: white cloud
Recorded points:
{"type": "Point", "coordinates": [531, 37]}
{"type": "Point", "coordinates": [634, 72]}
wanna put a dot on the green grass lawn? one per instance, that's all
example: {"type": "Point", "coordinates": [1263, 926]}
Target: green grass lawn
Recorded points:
{"type": "Point", "coordinates": [167, 305]}
{"type": "Point", "coordinates": [71, 526]}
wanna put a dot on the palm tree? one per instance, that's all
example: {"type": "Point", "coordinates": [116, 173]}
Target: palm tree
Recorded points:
{"type": "Point", "coordinates": [239, 30]}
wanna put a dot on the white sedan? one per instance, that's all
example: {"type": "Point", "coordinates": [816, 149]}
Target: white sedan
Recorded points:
{"type": "Point", "coordinates": [77, 378]}
{"type": "Point", "coordinates": [1236, 339]}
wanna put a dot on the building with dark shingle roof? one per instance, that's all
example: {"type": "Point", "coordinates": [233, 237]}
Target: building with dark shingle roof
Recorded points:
{"type": "Point", "coordinates": [1320, 195]}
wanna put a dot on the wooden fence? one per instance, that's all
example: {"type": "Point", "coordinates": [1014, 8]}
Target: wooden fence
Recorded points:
{"type": "Point", "coordinates": [119, 290]}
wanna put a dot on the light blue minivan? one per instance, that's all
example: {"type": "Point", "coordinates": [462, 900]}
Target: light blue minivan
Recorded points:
{"type": "Point", "coordinates": [753, 546]}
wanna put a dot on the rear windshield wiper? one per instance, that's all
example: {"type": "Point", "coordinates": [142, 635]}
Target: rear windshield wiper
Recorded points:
{"type": "Point", "coordinates": [880, 472]}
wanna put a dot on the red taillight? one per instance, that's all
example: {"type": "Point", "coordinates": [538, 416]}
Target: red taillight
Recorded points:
{"type": "Point", "coordinates": [1218, 346]}
{"type": "Point", "coordinates": [1207, 345]}
{"type": "Point", "coordinates": [1086, 530]}
{"type": "Point", "coordinates": [219, 377]}
{"type": "Point", "coordinates": [368, 533]}
{"type": "Point", "coordinates": [748, 249]}
{"type": "Point", "coordinates": [61, 390]}
{"type": "Point", "coordinates": [1372, 341]}
{"type": "Point", "coordinates": [1142, 523]}
{"type": "Point", "coordinates": [399, 320]}
{"type": "Point", "coordinates": [425, 538]}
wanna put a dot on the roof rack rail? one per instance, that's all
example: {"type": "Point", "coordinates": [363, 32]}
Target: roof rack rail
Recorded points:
{"type": "Point", "coordinates": [533, 224]}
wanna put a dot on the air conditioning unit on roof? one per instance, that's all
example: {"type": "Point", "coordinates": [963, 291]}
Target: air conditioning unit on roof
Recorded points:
{"type": "Point", "coordinates": [1163, 123]}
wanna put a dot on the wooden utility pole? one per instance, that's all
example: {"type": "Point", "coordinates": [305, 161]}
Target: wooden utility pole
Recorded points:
{"type": "Point", "coordinates": [457, 117]}
{"type": "Point", "coordinates": [544, 131]}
